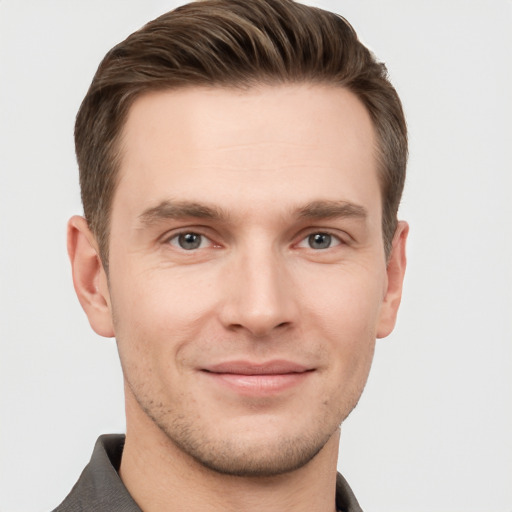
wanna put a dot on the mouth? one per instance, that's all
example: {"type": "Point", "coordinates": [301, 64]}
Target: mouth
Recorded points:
{"type": "Point", "coordinates": [258, 379]}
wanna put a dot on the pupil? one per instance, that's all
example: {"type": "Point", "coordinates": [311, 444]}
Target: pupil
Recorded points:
{"type": "Point", "coordinates": [189, 241]}
{"type": "Point", "coordinates": [320, 241]}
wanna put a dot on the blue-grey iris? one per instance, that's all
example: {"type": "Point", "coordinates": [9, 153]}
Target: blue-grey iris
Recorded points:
{"type": "Point", "coordinates": [320, 241]}
{"type": "Point", "coordinates": [189, 241]}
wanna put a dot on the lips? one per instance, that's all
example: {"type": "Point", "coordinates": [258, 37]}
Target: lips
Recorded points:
{"type": "Point", "coordinates": [249, 378]}
{"type": "Point", "coordinates": [247, 368]}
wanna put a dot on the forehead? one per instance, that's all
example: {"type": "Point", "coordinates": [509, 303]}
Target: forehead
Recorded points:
{"type": "Point", "coordinates": [203, 117]}
{"type": "Point", "coordinates": [298, 140]}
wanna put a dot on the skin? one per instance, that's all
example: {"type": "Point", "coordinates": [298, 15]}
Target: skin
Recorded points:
{"type": "Point", "coordinates": [278, 189]}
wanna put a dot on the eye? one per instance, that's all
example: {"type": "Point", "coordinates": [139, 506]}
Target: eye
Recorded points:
{"type": "Point", "coordinates": [319, 241]}
{"type": "Point", "coordinates": [189, 241]}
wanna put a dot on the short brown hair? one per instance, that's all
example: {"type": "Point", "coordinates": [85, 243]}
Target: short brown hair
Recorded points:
{"type": "Point", "coordinates": [233, 43]}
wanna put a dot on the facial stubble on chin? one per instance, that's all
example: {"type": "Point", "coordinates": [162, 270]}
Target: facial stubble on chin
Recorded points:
{"type": "Point", "coordinates": [239, 458]}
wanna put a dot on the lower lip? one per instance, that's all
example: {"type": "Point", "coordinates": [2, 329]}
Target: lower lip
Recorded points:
{"type": "Point", "coordinates": [258, 385]}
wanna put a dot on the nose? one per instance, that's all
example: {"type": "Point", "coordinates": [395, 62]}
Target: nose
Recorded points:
{"type": "Point", "coordinates": [259, 293]}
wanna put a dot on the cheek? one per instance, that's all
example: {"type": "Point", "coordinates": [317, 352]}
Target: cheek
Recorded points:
{"type": "Point", "coordinates": [163, 297]}
{"type": "Point", "coordinates": [346, 316]}
{"type": "Point", "coordinates": [156, 314]}
{"type": "Point", "coordinates": [345, 302]}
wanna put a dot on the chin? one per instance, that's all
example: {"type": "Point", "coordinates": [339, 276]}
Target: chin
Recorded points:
{"type": "Point", "coordinates": [252, 458]}
{"type": "Point", "coordinates": [255, 448]}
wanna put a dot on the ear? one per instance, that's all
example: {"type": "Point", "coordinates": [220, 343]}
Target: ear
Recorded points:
{"type": "Point", "coordinates": [395, 278]}
{"type": "Point", "coordinates": [89, 277]}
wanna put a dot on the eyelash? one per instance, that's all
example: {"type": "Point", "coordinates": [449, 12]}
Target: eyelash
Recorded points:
{"type": "Point", "coordinates": [177, 237]}
{"type": "Point", "coordinates": [332, 238]}
{"type": "Point", "coordinates": [307, 239]}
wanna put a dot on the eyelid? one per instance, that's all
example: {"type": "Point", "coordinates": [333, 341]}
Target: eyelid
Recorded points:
{"type": "Point", "coordinates": [304, 242]}
{"type": "Point", "coordinates": [340, 237]}
{"type": "Point", "coordinates": [196, 230]}
{"type": "Point", "coordinates": [174, 241]}
{"type": "Point", "coordinates": [335, 234]}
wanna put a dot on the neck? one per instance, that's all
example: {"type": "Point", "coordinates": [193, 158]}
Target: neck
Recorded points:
{"type": "Point", "coordinates": [160, 477]}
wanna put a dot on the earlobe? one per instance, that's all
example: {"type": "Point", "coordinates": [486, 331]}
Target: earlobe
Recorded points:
{"type": "Point", "coordinates": [395, 278]}
{"type": "Point", "coordinates": [89, 278]}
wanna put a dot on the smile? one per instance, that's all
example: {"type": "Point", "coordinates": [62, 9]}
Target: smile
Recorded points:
{"type": "Point", "coordinates": [258, 379]}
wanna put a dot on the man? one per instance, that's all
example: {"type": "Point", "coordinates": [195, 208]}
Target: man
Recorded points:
{"type": "Point", "coordinates": [241, 166]}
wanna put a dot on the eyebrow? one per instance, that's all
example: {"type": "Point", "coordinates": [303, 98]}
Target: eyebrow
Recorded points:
{"type": "Point", "coordinates": [180, 210]}
{"type": "Point", "coordinates": [315, 210]}
{"type": "Point", "coordinates": [332, 210]}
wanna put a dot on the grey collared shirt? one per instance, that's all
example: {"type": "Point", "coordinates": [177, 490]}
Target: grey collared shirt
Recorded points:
{"type": "Point", "coordinates": [100, 488]}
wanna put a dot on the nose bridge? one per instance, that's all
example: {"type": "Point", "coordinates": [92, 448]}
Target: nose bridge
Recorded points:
{"type": "Point", "coordinates": [260, 292]}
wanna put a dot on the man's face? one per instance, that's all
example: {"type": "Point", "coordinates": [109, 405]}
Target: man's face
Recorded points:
{"type": "Point", "coordinates": [248, 280]}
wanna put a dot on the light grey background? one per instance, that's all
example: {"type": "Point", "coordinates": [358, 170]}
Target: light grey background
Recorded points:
{"type": "Point", "coordinates": [433, 431]}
